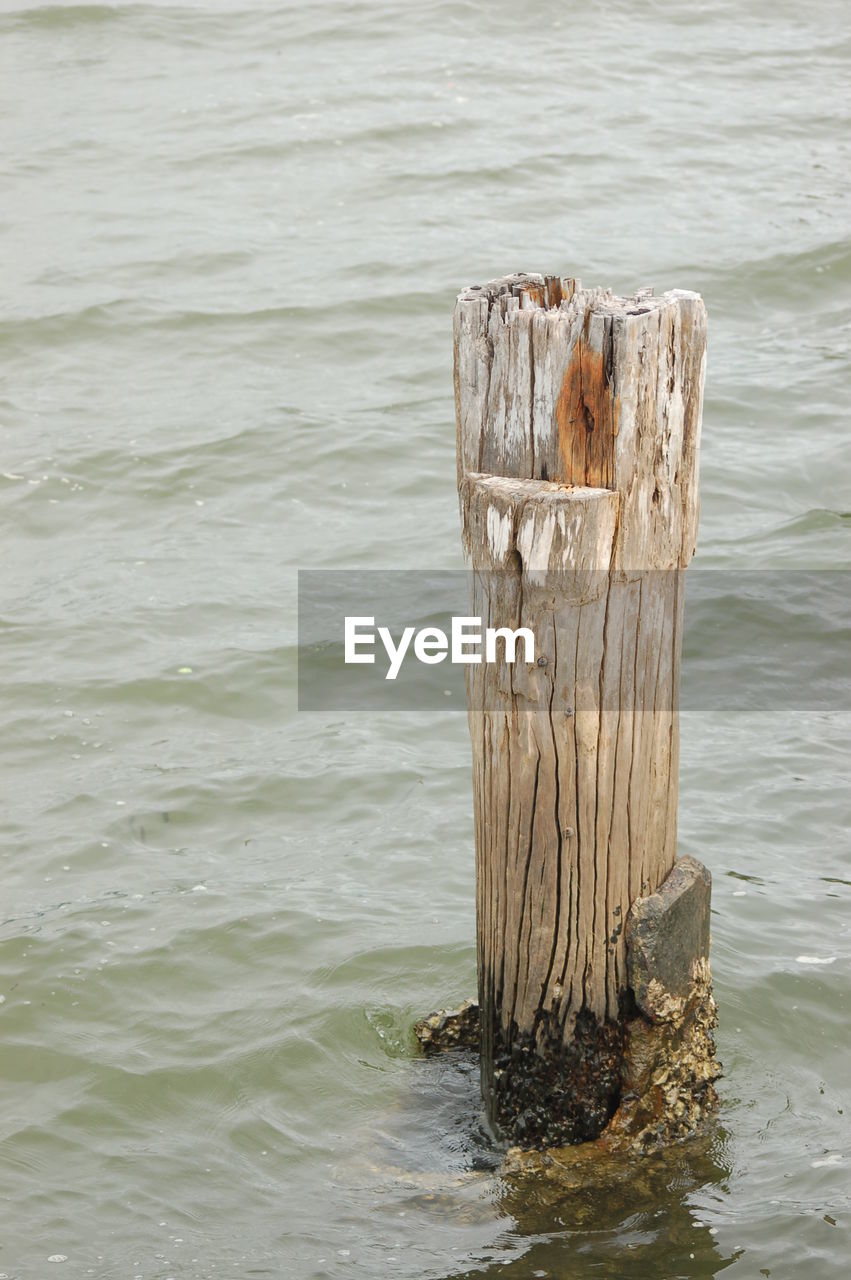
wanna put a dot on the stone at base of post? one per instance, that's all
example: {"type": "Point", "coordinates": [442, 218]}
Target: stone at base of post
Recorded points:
{"type": "Point", "coordinates": [665, 1089]}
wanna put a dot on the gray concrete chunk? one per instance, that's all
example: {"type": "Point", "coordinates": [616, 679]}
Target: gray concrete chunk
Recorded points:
{"type": "Point", "coordinates": [666, 933]}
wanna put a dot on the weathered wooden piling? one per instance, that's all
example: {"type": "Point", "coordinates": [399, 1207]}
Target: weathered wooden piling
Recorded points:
{"type": "Point", "coordinates": [579, 419]}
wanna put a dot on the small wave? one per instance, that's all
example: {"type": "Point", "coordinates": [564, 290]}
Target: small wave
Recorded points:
{"type": "Point", "coordinates": [62, 15]}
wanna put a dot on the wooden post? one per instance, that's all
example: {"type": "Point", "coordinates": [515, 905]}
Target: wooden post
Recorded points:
{"type": "Point", "coordinates": [578, 420]}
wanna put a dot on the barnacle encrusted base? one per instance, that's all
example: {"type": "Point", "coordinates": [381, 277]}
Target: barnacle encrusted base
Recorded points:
{"type": "Point", "coordinates": [668, 1066]}
{"type": "Point", "coordinates": [667, 1084]}
{"type": "Point", "coordinates": [449, 1029]}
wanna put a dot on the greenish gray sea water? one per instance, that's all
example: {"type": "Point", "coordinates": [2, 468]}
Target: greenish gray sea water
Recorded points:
{"type": "Point", "coordinates": [230, 239]}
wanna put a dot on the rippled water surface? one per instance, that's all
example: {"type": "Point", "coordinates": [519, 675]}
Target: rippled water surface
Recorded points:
{"type": "Point", "coordinates": [230, 241]}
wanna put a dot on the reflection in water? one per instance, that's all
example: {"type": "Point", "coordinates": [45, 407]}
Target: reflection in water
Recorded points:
{"type": "Point", "coordinates": [612, 1215]}
{"type": "Point", "coordinates": [618, 1216]}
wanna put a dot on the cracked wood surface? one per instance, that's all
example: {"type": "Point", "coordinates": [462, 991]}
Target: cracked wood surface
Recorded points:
{"type": "Point", "coordinates": [578, 432]}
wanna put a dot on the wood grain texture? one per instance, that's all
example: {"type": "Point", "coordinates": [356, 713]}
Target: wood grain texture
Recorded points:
{"type": "Point", "coordinates": [596, 391]}
{"type": "Point", "coordinates": [578, 433]}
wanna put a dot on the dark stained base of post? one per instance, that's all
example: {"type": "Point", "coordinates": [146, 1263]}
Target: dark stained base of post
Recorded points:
{"type": "Point", "coordinates": [633, 1086]}
{"type": "Point", "coordinates": [546, 1094]}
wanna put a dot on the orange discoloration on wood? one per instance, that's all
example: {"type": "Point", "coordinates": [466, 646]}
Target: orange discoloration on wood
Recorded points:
{"type": "Point", "coordinates": [559, 290]}
{"type": "Point", "coordinates": [585, 415]}
{"type": "Point", "coordinates": [536, 294]}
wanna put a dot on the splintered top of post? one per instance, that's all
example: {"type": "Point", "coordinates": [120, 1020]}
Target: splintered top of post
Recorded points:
{"type": "Point", "coordinates": [528, 291]}
{"type": "Point", "coordinates": [582, 387]}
